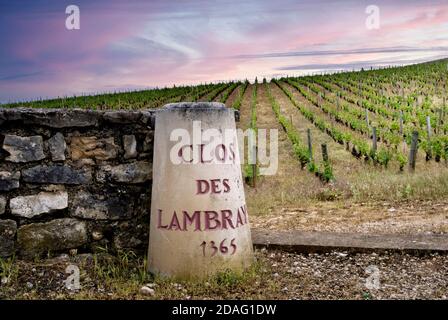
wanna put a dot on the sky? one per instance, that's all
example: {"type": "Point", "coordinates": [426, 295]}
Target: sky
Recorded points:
{"type": "Point", "coordinates": [136, 44]}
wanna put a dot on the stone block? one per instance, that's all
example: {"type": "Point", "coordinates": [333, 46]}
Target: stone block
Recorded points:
{"type": "Point", "coordinates": [23, 149]}
{"type": "Point", "coordinates": [61, 234]}
{"type": "Point", "coordinates": [35, 205]}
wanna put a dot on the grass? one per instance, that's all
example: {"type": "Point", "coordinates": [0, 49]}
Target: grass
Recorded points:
{"type": "Point", "coordinates": [275, 275]}
{"type": "Point", "coordinates": [8, 270]}
{"type": "Point", "coordinates": [151, 98]}
{"type": "Point", "coordinates": [425, 184]}
{"type": "Point", "coordinates": [373, 185]}
{"type": "Point", "coordinates": [103, 276]}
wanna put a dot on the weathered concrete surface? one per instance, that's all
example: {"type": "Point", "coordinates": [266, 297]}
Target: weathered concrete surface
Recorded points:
{"type": "Point", "coordinates": [199, 221]}
{"type": "Point", "coordinates": [306, 242]}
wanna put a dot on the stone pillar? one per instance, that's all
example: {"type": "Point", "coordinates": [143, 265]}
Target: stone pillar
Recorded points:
{"type": "Point", "coordinates": [199, 219]}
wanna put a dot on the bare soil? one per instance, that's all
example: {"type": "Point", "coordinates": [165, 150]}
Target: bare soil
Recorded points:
{"type": "Point", "coordinates": [409, 217]}
{"type": "Point", "coordinates": [233, 96]}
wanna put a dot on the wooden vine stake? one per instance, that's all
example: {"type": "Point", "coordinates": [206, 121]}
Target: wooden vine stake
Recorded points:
{"type": "Point", "coordinates": [327, 175]}
{"type": "Point", "coordinates": [324, 153]}
{"type": "Point", "coordinates": [440, 120]}
{"type": "Point", "coordinates": [401, 122]}
{"type": "Point", "coordinates": [374, 140]}
{"type": "Point", "coordinates": [443, 114]}
{"type": "Point", "coordinates": [413, 153]}
{"type": "Point", "coordinates": [310, 145]}
{"type": "Point", "coordinates": [254, 168]}
{"type": "Point", "coordinates": [429, 132]}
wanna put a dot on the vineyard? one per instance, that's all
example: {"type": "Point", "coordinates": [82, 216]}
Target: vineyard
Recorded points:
{"type": "Point", "coordinates": [351, 138]}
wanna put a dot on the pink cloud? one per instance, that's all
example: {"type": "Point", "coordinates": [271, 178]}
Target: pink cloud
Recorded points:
{"type": "Point", "coordinates": [194, 42]}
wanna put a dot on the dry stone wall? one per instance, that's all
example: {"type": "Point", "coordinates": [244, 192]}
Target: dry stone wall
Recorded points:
{"type": "Point", "coordinates": [74, 180]}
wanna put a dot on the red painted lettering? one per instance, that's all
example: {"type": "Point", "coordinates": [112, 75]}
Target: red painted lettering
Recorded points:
{"type": "Point", "coordinates": [195, 218]}
{"type": "Point", "coordinates": [239, 220]}
{"type": "Point", "coordinates": [212, 186]}
{"type": "Point", "coordinates": [202, 155]}
{"type": "Point", "coordinates": [225, 182]}
{"type": "Point", "coordinates": [226, 218]}
{"type": "Point", "coordinates": [223, 248]}
{"type": "Point", "coordinates": [203, 220]}
{"type": "Point", "coordinates": [244, 210]}
{"type": "Point", "coordinates": [212, 216]}
{"type": "Point", "coordinates": [181, 153]}
{"type": "Point", "coordinates": [203, 187]}
{"type": "Point", "coordinates": [232, 152]}
{"type": "Point", "coordinates": [221, 156]}
{"type": "Point", "coordinates": [159, 221]}
{"type": "Point", "coordinates": [174, 225]}
{"type": "Point", "coordinates": [215, 185]}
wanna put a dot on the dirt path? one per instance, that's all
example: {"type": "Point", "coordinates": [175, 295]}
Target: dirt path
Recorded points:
{"type": "Point", "coordinates": [290, 182]}
{"type": "Point", "coordinates": [212, 92]}
{"type": "Point", "coordinates": [380, 217]}
{"type": "Point", "coordinates": [233, 96]}
{"type": "Point", "coordinates": [245, 110]}
{"type": "Point", "coordinates": [219, 96]}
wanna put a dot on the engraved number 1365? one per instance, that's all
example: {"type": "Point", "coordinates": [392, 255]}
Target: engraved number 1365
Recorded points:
{"type": "Point", "coordinates": [223, 248]}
